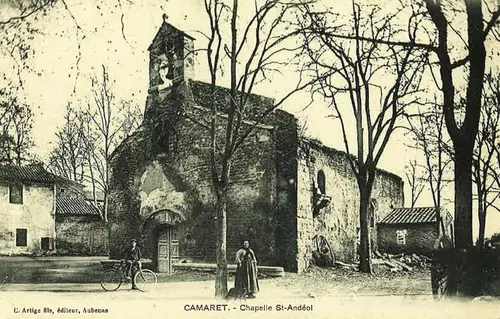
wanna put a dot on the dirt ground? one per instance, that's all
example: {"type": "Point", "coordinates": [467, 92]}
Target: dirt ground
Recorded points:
{"type": "Point", "coordinates": [335, 281]}
{"type": "Point", "coordinates": [322, 293]}
{"type": "Point", "coordinates": [326, 293]}
{"type": "Point", "coordinates": [314, 282]}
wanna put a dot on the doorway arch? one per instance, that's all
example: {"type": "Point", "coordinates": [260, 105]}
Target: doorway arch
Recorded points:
{"type": "Point", "coordinates": [161, 235]}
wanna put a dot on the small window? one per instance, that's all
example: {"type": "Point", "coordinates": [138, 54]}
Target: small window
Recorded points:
{"type": "Point", "coordinates": [47, 243]}
{"type": "Point", "coordinates": [401, 236]}
{"type": "Point", "coordinates": [165, 138]}
{"type": "Point", "coordinates": [21, 237]}
{"type": "Point", "coordinates": [16, 194]}
{"type": "Point", "coordinates": [321, 182]}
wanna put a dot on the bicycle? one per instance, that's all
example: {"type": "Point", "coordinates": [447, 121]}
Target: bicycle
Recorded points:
{"type": "Point", "coordinates": [112, 279]}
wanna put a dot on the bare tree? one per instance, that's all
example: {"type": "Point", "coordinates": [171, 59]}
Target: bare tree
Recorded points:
{"type": "Point", "coordinates": [428, 129]}
{"type": "Point", "coordinates": [21, 128]}
{"type": "Point", "coordinates": [485, 161]}
{"type": "Point", "coordinates": [413, 177]}
{"type": "Point", "coordinates": [23, 10]}
{"type": "Point", "coordinates": [440, 38]}
{"type": "Point", "coordinates": [105, 123]}
{"type": "Point", "coordinates": [89, 136]}
{"type": "Point", "coordinates": [350, 69]}
{"type": "Point", "coordinates": [23, 24]}
{"type": "Point", "coordinates": [493, 99]}
{"type": "Point", "coordinates": [16, 122]}
{"type": "Point", "coordinates": [101, 137]}
{"type": "Point", "coordinates": [68, 158]}
{"type": "Point", "coordinates": [462, 134]}
{"type": "Point", "coordinates": [254, 45]}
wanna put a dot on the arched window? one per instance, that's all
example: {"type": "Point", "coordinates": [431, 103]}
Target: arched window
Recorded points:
{"type": "Point", "coordinates": [164, 138]}
{"type": "Point", "coordinates": [321, 182]}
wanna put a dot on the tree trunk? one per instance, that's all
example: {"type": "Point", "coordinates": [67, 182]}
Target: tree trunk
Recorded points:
{"type": "Point", "coordinates": [463, 196]}
{"type": "Point", "coordinates": [482, 222]}
{"type": "Point", "coordinates": [105, 208]}
{"type": "Point", "coordinates": [464, 142]}
{"type": "Point", "coordinates": [481, 199]}
{"type": "Point", "coordinates": [221, 274]}
{"type": "Point", "coordinates": [365, 262]}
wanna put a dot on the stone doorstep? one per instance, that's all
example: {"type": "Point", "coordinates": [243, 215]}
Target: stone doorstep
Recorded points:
{"type": "Point", "coordinates": [147, 263]}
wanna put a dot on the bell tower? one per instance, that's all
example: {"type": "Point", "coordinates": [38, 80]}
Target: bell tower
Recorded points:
{"type": "Point", "coordinates": [171, 58]}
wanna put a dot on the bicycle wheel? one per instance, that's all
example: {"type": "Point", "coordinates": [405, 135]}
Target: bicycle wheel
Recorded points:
{"type": "Point", "coordinates": [145, 280]}
{"type": "Point", "coordinates": [111, 280]}
{"type": "Point", "coordinates": [323, 247]}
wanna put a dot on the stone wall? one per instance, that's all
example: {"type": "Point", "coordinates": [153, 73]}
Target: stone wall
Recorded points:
{"type": "Point", "coordinates": [286, 142]}
{"type": "Point", "coordinates": [81, 235]}
{"type": "Point", "coordinates": [35, 214]}
{"type": "Point", "coordinates": [151, 173]}
{"type": "Point", "coordinates": [271, 194]}
{"type": "Point", "coordinates": [420, 238]}
{"type": "Point", "coordinates": [339, 221]}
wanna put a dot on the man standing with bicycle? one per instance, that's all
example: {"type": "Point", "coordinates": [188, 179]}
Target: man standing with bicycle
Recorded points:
{"type": "Point", "coordinates": [132, 257]}
{"type": "Point", "coordinates": [130, 267]}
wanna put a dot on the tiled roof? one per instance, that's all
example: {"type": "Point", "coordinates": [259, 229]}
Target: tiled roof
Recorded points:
{"type": "Point", "coordinates": [74, 206]}
{"type": "Point", "coordinates": [415, 215]}
{"type": "Point", "coordinates": [34, 173]}
{"type": "Point", "coordinates": [30, 173]}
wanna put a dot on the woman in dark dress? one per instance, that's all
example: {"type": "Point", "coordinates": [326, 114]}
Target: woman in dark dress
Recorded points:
{"type": "Point", "coordinates": [246, 271]}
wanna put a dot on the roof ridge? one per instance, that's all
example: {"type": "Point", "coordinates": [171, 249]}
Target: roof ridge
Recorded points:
{"type": "Point", "coordinates": [416, 207]}
{"type": "Point", "coordinates": [409, 215]}
{"type": "Point", "coordinates": [35, 172]}
{"type": "Point", "coordinates": [75, 206]}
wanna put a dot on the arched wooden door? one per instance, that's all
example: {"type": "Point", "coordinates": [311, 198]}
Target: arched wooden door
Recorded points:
{"type": "Point", "coordinates": [167, 249]}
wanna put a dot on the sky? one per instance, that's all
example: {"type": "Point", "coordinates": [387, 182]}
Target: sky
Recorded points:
{"type": "Point", "coordinates": [78, 39]}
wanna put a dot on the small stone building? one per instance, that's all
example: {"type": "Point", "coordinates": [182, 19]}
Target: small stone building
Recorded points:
{"type": "Point", "coordinates": [284, 189]}
{"type": "Point", "coordinates": [412, 230]}
{"type": "Point", "coordinates": [42, 213]}
{"type": "Point", "coordinates": [80, 229]}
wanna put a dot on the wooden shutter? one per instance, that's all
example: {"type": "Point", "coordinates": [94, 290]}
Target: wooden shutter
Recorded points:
{"type": "Point", "coordinates": [174, 248]}
{"type": "Point", "coordinates": [47, 243]}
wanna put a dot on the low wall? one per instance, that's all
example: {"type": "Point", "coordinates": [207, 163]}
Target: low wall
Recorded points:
{"type": "Point", "coordinates": [81, 236]}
